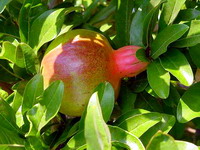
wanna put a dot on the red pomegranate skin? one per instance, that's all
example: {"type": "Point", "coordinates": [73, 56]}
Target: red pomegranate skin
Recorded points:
{"type": "Point", "coordinates": [82, 59]}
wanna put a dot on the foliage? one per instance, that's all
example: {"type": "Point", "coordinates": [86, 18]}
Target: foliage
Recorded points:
{"type": "Point", "coordinates": [159, 109]}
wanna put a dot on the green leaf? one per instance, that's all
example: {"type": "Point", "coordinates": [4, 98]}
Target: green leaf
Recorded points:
{"type": "Point", "coordinates": [3, 4]}
{"type": "Point", "coordinates": [129, 114]}
{"type": "Point", "coordinates": [35, 143]}
{"type": "Point", "coordinates": [7, 74]}
{"type": "Point", "coordinates": [176, 63]}
{"type": "Point", "coordinates": [183, 145]}
{"type": "Point", "coordinates": [126, 99]}
{"type": "Point", "coordinates": [104, 13]}
{"type": "Point", "coordinates": [161, 141]}
{"type": "Point", "coordinates": [195, 54]}
{"type": "Point", "coordinates": [8, 51]}
{"type": "Point", "coordinates": [187, 15]}
{"type": "Point", "coordinates": [192, 38]}
{"type": "Point", "coordinates": [7, 117]}
{"type": "Point", "coordinates": [164, 125]}
{"type": "Point", "coordinates": [10, 138]}
{"type": "Point", "coordinates": [150, 20]}
{"type": "Point", "coordinates": [159, 79]}
{"type": "Point", "coordinates": [18, 95]}
{"type": "Point", "coordinates": [107, 99]}
{"type": "Point", "coordinates": [118, 135]}
{"type": "Point", "coordinates": [139, 124]}
{"type": "Point", "coordinates": [50, 24]}
{"type": "Point", "coordinates": [174, 97]}
{"type": "Point", "coordinates": [148, 102]}
{"type": "Point", "coordinates": [141, 25]}
{"type": "Point", "coordinates": [26, 58]}
{"type": "Point", "coordinates": [169, 12]}
{"type": "Point", "coordinates": [96, 132]}
{"type": "Point", "coordinates": [91, 6]}
{"type": "Point", "coordinates": [77, 142]}
{"type": "Point", "coordinates": [189, 105]}
{"type": "Point", "coordinates": [47, 108]}
{"type": "Point", "coordinates": [9, 131]}
{"type": "Point", "coordinates": [12, 147]}
{"type": "Point", "coordinates": [150, 91]}
{"type": "Point", "coordinates": [125, 139]}
{"type": "Point", "coordinates": [166, 37]}
{"type": "Point", "coordinates": [138, 85]}
{"type": "Point", "coordinates": [30, 10]}
{"type": "Point", "coordinates": [123, 21]}
{"type": "Point", "coordinates": [33, 90]}
{"type": "Point", "coordinates": [67, 133]}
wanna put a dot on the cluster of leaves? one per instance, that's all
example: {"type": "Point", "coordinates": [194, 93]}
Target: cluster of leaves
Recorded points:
{"type": "Point", "coordinates": [158, 109]}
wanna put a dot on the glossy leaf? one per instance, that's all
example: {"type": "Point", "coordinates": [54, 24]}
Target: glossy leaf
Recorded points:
{"type": "Point", "coordinates": [107, 99]}
{"type": "Point", "coordinates": [96, 131]}
{"type": "Point", "coordinates": [26, 58]}
{"type": "Point", "coordinates": [33, 90]}
{"type": "Point", "coordinates": [118, 137]}
{"type": "Point", "coordinates": [129, 114]}
{"type": "Point", "coordinates": [161, 141]}
{"type": "Point", "coordinates": [30, 10]}
{"type": "Point", "coordinates": [164, 125]}
{"type": "Point", "coordinates": [142, 21]}
{"type": "Point", "coordinates": [176, 63]}
{"type": "Point", "coordinates": [188, 15]}
{"type": "Point", "coordinates": [47, 108]}
{"type": "Point", "coordinates": [169, 13]}
{"type": "Point", "coordinates": [182, 145]}
{"type": "Point", "coordinates": [7, 117]}
{"type": "Point", "coordinates": [125, 139]}
{"type": "Point", "coordinates": [8, 51]}
{"type": "Point", "coordinates": [139, 124]}
{"type": "Point", "coordinates": [35, 143]}
{"type": "Point", "coordinates": [18, 95]}
{"type": "Point", "coordinates": [10, 139]}
{"type": "Point", "coordinates": [166, 37]}
{"type": "Point", "coordinates": [150, 21]}
{"type": "Point", "coordinates": [123, 21]}
{"type": "Point", "coordinates": [159, 79]}
{"type": "Point", "coordinates": [50, 22]}
{"type": "Point", "coordinates": [77, 142]}
{"type": "Point", "coordinates": [189, 105]}
{"type": "Point", "coordinates": [192, 38]}
{"type": "Point", "coordinates": [195, 54]}
{"type": "Point", "coordinates": [9, 131]}
{"type": "Point", "coordinates": [3, 4]}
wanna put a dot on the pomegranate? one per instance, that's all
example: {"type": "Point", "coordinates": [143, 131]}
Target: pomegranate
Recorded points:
{"type": "Point", "coordinates": [82, 59]}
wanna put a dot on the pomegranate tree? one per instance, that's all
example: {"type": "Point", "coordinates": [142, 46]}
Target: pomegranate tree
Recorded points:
{"type": "Point", "coordinates": [82, 59]}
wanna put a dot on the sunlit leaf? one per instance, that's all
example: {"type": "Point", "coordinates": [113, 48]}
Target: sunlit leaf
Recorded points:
{"type": "Point", "coordinates": [41, 113]}
{"type": "Point", "coordinates": [159, 79]}
{"type": "Point", "coordinates": [176, 63]}
{"type": "Point", "coordinates": [189, 105]}
{"type": "Point", "coordinates": [166, 37]}
{"type": "Point", "coordinates": [96, 131]}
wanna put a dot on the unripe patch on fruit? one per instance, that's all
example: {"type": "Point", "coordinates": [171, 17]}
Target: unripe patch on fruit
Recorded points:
{"type": "Point", "coordinates": [82, 59]}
